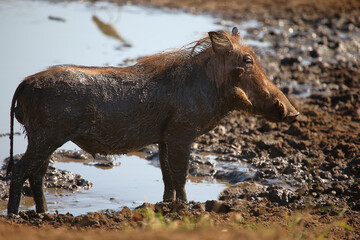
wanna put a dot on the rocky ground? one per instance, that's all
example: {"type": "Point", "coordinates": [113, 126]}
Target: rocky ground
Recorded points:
{"type": "Point", "coordinates": [311, 166]}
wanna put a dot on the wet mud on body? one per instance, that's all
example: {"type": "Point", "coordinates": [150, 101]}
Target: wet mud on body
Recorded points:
{"type": "Point", "coordinates": [313, 163]}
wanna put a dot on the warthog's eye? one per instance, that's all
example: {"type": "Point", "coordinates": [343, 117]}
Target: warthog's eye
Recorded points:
{"type": "Point", "coordinates": [248, 59]}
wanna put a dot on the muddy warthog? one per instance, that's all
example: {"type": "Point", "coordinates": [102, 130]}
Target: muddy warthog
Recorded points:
{"type": "Point", "coordinates": [168, 98]}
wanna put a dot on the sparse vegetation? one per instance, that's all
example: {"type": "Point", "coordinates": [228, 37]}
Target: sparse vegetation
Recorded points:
{"type": "Point", "coordinates": [305, 224]}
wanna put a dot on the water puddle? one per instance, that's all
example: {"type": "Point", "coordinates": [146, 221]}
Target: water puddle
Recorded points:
{"type": "Point", "coordinates": [132, 181]}
{"type": "Point", "coordinates": [38, 34]}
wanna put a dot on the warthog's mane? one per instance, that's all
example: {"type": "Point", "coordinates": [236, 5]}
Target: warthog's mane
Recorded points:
{"type": "Point", "coordinates": [175, 57]}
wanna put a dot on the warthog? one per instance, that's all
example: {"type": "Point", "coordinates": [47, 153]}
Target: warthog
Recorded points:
{"type": "Point", "coordinates": [169, 98]}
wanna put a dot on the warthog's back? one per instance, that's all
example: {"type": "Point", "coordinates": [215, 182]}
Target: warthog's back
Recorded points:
{"type": "Point", "coordinates": [106, 110]}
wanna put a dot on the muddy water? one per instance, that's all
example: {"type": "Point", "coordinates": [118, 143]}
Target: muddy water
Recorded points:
{"type": "Point", "coordinates": [37, 34]}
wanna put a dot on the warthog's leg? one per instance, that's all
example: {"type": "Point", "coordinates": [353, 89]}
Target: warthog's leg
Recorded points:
{"type": "Point", "coordinates": [32, 165]}
{"type": "Point", "coordinates": [36, 184]}
{"type": "Point", "coordinates": [166, 173]}
{"type": "Point", "coordinates": [17, 180]}
{"type": "Point", "coordinates": [178, 158]}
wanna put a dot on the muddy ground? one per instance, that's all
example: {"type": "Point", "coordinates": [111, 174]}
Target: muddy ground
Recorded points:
{"type": "Point", "coordinates": [305, 182]}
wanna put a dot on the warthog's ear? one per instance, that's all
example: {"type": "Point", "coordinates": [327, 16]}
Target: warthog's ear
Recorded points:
{"type": "Point", "coordinates": [220, 42]}
{"type": "Point", "coordinates": [235, 32]}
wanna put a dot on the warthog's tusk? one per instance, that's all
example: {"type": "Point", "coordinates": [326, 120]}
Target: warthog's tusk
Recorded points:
{"type": "Point", "coordinates": [244, 98]}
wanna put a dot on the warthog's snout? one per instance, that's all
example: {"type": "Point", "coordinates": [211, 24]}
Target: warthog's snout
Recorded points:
{"type": "Point", "coordinates": [271, 103]}
{"type": "Point", "coordinates": [287, 112]}
{"type": "Point", "coordinates": [291, 117]}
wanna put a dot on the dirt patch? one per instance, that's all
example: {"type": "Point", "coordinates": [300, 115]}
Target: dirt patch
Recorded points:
{"type": "Point", "coordinates": [314, 59]}
{"type": "Point", "coordinates": [260, 9]}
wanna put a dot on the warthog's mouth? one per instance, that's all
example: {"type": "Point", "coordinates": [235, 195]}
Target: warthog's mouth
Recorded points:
{"type": "Point", "coordinates": [291, 118]}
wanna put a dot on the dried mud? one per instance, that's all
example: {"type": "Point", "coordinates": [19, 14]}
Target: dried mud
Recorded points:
{"type": "Point", "coordinates": [310, 167]}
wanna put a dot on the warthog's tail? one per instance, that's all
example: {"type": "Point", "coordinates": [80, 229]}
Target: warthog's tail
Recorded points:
{"type": "Point", "coordinates": [12, 115]}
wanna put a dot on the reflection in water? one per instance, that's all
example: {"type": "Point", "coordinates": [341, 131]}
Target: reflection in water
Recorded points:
{"type": "Point", "coordinates": [109, 30]}
{"type": "Point", "coordinates": [54, 18]}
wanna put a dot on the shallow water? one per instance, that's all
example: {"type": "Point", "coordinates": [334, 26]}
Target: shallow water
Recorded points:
{"type": "Point", "coordinates": [37, 34]}
{"type": "Point", "coordinates": [130, 183]}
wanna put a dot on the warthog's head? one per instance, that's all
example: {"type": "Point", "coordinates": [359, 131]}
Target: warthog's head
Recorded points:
{"type": "Point", "coordinates": [251, 90]}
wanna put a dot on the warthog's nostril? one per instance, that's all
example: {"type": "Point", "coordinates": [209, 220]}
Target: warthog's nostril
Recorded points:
{"type": "Point", "coordinates": [282, 109]}
{"type": "Point", "coordinates": [291, 117]}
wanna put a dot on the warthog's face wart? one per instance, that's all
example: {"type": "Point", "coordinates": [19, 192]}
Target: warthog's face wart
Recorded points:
{"type": "Point", "coordinates": [252, 90]}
